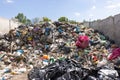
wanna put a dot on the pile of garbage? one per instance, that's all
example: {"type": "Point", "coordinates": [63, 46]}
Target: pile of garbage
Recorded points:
{"type": "Point", "coordinates": [44, 46]}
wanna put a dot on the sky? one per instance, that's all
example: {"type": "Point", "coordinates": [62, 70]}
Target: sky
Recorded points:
{"type": "Point", "coordinates": [78, 10]}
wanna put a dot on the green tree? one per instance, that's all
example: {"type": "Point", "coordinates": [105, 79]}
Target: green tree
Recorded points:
{"type": "Point", "coordinates": [63, 19]}
{"type": "Point", "coordinates": [36, 20]}
{"type": "Point", "coordinates": [28, 21]}
{"type": "Point", "coordinates": [72, 21]}
{"type": "Point", "coordinates": [22, 19]}
{"type": "Point", "coordinates": [46, 19]}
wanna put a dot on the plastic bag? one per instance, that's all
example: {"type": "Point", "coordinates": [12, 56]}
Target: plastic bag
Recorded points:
{"type": "Point", "coordinates": [82, 42]}
{"type": "Point", "coordinates": [115, 54]}
{"type": "Point", "coordinates": [59, 70]}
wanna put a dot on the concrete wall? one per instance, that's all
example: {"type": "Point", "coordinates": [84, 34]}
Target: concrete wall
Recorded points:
{"type": "Point", "coordinates": [109, 26]}
{"type": "Point", "coordinates": [6, 25]}
{"type": "Point", "coordinates": [86, 24]}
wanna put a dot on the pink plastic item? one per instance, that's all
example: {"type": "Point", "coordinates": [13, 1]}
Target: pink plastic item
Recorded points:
{"type": "Point", "coordinates": [115, 54]}
{"type": "Point", "coordinates": [82, 42]}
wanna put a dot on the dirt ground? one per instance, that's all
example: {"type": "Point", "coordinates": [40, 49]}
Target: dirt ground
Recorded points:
{"type": "Point", "coordinates": [20, 77]}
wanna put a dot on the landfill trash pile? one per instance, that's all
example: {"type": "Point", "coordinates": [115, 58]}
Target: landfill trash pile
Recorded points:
{"type": "Point", "coordinates": [45, 46]}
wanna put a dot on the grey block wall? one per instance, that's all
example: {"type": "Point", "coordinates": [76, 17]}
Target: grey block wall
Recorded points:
{"type": "Point", "coordinates": [109, 26]}
{"type": "Point", "coordinates": [6, 25]}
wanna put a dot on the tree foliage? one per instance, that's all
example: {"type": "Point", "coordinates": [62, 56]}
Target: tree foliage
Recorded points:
{"type": "Point", "coordinates": [46, 19]}
{"type": "Point", "coordinates": [73, 22]}
{"type": "Point", "coordinates": [28, 21]}
{"type": "Point", "coordinates": [63, 19]}
{"type": "Point", "coordinates": [22, 18]}
{"type": "Point", "coordinates": [36, 20]}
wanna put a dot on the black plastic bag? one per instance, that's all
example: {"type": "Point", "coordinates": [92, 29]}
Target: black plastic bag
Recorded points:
{"type": "Point", "coordinates": [67, 70]}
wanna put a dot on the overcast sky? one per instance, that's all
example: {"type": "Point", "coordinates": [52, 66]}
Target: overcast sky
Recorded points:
{"type": "Point", "coordinates": [73, 9]}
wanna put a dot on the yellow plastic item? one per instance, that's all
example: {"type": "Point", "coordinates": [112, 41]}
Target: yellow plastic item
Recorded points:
{"type": "Point", "coordinates": [29, 38]}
